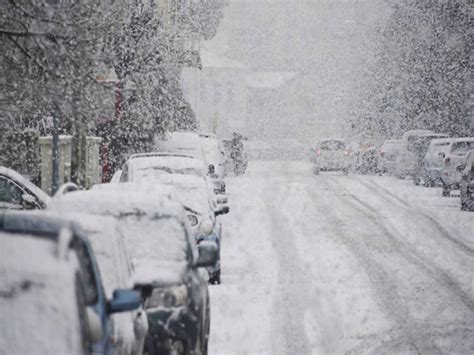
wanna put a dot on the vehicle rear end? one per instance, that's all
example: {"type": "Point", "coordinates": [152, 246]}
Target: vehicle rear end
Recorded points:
{"type": "Point", "coordinates": [456, 156]}
{"type": "Point", "coordinates": [433, 162]}
{"type": "Point", "coordinates": [331, 155]}
{"type": "Point", "coordinates": [387, 156]}
{"type": "Point", "coordinates": [406, 159]}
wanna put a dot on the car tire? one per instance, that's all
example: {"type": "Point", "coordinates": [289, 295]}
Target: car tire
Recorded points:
{"type": "Point", "coordinates": [216, 279]}
{"type": "Point", "coordinates": [446, 192]}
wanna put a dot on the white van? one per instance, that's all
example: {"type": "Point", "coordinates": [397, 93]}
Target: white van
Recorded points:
{"type": "Point", "coordinates": [406, 158]}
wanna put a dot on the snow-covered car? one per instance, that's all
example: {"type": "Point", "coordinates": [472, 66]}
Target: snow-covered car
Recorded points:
{"type": "Point", "coordinates": [42, 301]}
{"type": "Point", "coordinates": [161, 247]}
{"type": "Point", "coordinates": [18, 193]}
{"type": "Point", "coordinates": [433, 162]}
{"type": "Point", "coordinates": [331, 155]}
{"type": "Point", "coordinates": [406, 158]}
{"type": "Point", "coordinates": [387, 156]}
{"type": "Point", "coordinates": [49, 226]}
{"type": "Point", "coordinates": [419, 146]}
{"type": "Point", "coordinates": [466, 186]}
{"type": "Point", "coordinates": [146, 165]}
{"type": "Point", "coordinates": [455, 156]}
{"type": "Point", "coordinates": [108, 242]}
{"type": "Point", "coordinates": [187, 143]}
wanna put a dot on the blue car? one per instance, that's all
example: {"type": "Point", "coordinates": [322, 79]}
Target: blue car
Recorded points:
{"type": "Point", "coordinates": [41, 225]}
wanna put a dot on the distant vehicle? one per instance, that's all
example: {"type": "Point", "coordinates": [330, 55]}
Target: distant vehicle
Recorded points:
{"type": "Point", "coordinates": [433, 162]}
{"type": "Point", "coordinates": [187, 143]}
{"type": "Point", "coordinates": [331, 155]}
{"type": "Point", "coordinates": [364, 159]}
{"type": "Point", "coordinates": [42, 299]}
{"type": "Point", "coordinates": [455, 156]}
{"type": "Point", "coordinates": [387, 156]}
{"type": "Point", "coordinates": [419, 146]}
{"type": "Point", "coordinates": [165, 260]}
{"type": "Point", "coordinates": [18, 193]}
{"type": "Point", "coordinates": [406, 159]}
{"type": "Point", "coordinates": [466, 186]}
{"type": "Point", "coordinates": [213, 154]}
{"type": "Point", "coordinates": [50, 227]}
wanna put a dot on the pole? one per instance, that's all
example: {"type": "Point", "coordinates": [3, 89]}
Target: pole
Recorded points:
{"type": "Point", "coordinates": [55, 157]}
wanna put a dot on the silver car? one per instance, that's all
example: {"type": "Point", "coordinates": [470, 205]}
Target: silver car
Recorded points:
{"type": "Point", "coordinates": [387, 156]}
{"type": "Point", "coordinates": [455, 156]}
{"type": "Point", "coordinates": [331, 155]}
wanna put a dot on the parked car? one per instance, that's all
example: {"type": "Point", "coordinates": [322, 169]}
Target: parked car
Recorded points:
{"type": "Point", "coordinates": [18, 193]}
{"type": "Point", "coordinates": [50, 227]}
{"type": "Point", "coordinates": [455, 156]}
{"type": "Point", "coordinates": [405, 161]}
{"type": "Point", "coordinates": [213, 154]}
{"type": "Point", "coordinates": [108, 242]}
{"type": "Point", "coordinates": [387, 156]}
{"type": "Point", "coordinates": [466, 186]}
{"type": "Point", "coordinates": [364, 159]}
{"type": "Point", "coordinates": [331, 155]}
{"type": "Point", "coordinates": [433, 162]}
{"type": "Point", "coordinates": [419, 146]}
{"type": "Point", "coordinates": [165, 259]}
{"type": "Point", "coordinates": [145, 165]}
{"type": "Point", "coordinates": [34, 273]}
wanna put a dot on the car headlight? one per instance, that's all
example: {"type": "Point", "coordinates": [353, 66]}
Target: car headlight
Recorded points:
{"type": "Point", "coordinates": [169, 297]}
{"type": "Point", "coordinates": [193, 220]}
{"type": "Point", "coordinates": [206, 227]}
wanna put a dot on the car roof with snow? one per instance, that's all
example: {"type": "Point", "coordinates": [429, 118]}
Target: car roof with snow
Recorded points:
{"type": "Point", "coordinates": [32, 279]}
{"type": "Point", "coordinates": [116, 200]}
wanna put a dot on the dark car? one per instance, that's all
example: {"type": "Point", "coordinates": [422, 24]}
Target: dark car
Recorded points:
{"type": "Point", "coordinates": [466, 185]}
{"type": "Point", "coordinates": [42, 225]}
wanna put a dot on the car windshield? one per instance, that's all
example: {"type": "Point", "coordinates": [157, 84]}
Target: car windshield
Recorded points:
{"type": "Point", "coordinates": [332, 145]}
{"type": "Point", "coordinates": [461, 148]}
{"type": "Point", "coordinates": [436, 148]}
{"type": "Point", "coordinates": [156, 239]}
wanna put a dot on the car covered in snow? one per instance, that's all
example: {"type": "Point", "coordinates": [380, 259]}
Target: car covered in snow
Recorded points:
{"type": "Point", "coordinates": [331, 155]}
{"type": "Point", "coordinates": [144, 165]}
{"type": "Point", "coordinates": [433, 162]}
{"type": "Point", "coordinates": [387, 156]}
{"type": "Point", "coordinates": [18, 193]}
{"type": "Point", "coordinates": [406, 158]}
{"type": "Point", "coordinates": [456, 154]}
{"type": "Point", "coordinates": [42, 298]}
{"type": "Point", "coordinates": [165, 259]}
{"type": "Point", "coordinates": [466, 186]}
{"type": "Point", "coordinates": [108, 242]}
{"type": "Point", "coordinates": [419, 146]}
{"type": "Point", "coordinates": [48, 226]}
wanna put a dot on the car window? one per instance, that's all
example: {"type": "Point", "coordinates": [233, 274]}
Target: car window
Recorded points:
{"type": "Point", "coordinates": [10, 192]}
{"type": "Point", "coordinates": [461, 148]}
{"type": "Point", "coordinates": [87, 271]}
{"type": "Point", "coordinates": [332, 145]}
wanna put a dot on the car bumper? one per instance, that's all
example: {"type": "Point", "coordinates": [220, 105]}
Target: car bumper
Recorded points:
{"type": "Point", "coordinates": [172, 330]}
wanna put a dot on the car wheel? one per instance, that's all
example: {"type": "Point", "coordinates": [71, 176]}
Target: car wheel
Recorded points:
{"type": "Point", "coordinates": [216, 279]}
{"type": "Point", "coordinates": [446, 191]}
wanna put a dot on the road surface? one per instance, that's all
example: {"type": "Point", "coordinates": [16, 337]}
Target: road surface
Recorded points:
{"type": "Point", "coordinates": [332, 264]}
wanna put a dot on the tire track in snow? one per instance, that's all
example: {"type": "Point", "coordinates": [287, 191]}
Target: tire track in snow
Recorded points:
{"type": "Point", "coordinates": [389, 196]}
{"type": "Point", "coordinates": [294, 290]}
{"type": "Point", "coordinates": [412, 335]}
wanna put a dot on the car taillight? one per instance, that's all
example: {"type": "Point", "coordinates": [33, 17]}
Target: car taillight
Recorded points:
{"type": "Point", "coordinates": [347, 152]}
{"type": "Point", "coordinates": [318, 152]}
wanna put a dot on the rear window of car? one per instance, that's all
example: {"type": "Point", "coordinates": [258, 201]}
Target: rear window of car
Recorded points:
{"type": "Point", "coordinates": [332, 145]}
{"type": "Point", "coordinates": [461, 148]}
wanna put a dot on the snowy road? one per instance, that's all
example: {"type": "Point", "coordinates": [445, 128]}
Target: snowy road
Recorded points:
{"type": "Point", "coordinates": [331, 265]}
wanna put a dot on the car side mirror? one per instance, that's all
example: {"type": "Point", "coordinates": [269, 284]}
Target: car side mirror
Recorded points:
{"type": "Point", "coordinates": [124, 300]}
{"type": "Point", "coordinates": [29, 201]}
{"type": "Point", "coordinates": [223, 210]}
{"type": "Point", "coordinates": [442, 155]}
{"type": "Point", "coordinates": [207, 254]}
{"type": "Point", "coordinates": [96, 331]}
